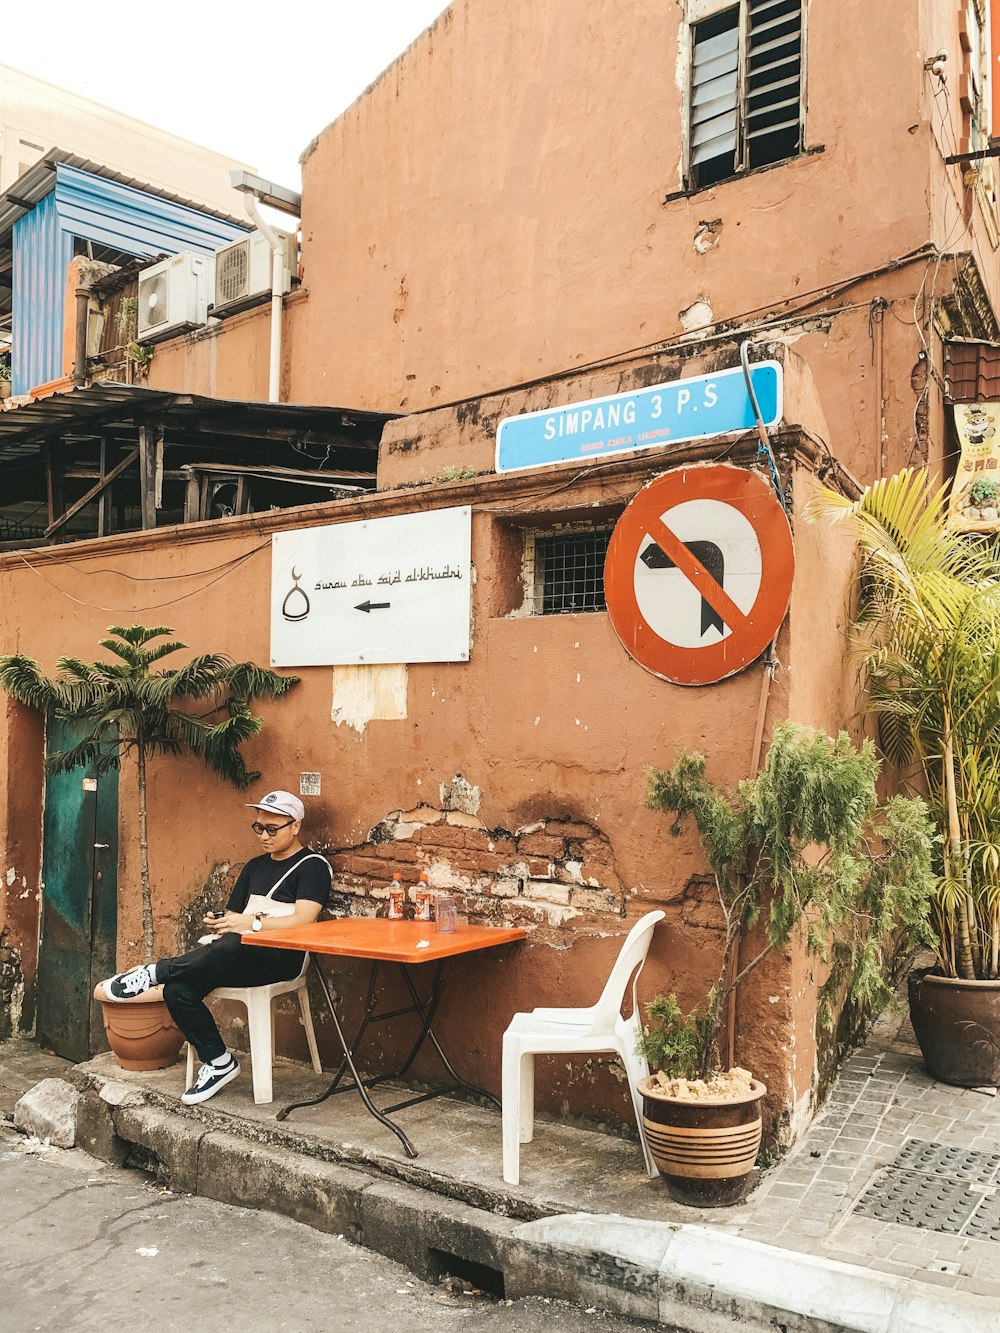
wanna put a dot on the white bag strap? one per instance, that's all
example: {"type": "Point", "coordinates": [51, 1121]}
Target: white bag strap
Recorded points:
{"type": "Point", "coordinates": [313, 856]}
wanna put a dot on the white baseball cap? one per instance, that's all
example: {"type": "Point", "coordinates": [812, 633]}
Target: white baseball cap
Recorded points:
{"type": "Point", "coordinates": [280, 803]}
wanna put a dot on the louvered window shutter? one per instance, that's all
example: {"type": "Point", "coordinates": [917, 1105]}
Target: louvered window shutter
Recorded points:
{"type": "Point", "coordinates": [746, 89]}
{"type": "Point", "coordinates": [774, 80]}
{"type": "Point", "coordinates": [715, 97]}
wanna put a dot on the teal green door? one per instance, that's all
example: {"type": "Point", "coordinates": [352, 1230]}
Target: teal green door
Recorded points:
{"type": "Point", "coordinates": [79, 904]}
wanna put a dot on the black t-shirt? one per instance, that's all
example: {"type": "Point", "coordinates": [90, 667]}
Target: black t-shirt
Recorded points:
{"type": "Point", "coordinates": [309, 879]}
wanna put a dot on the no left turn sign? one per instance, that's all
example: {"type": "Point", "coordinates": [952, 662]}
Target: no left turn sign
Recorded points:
{"type": "Point", "coordinates": [699, 573]}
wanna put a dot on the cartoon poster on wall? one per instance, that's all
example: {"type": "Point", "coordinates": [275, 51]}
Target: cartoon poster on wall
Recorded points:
{"type": "Point", "coordinates": [975, 492]}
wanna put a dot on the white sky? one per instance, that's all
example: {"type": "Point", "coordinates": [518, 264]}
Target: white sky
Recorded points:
{"type": "Point", "coordinates": [252, 80]}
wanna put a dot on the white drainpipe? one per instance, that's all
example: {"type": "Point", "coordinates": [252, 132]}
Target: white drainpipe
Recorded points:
{"type": "Point", "coordinates": [277, 287]}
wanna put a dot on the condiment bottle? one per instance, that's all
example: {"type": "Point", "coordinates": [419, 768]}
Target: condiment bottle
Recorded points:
{"type": "Point", "coordinates": [422, 898]}
{"type": "Point", "coordinates": [397, 897]}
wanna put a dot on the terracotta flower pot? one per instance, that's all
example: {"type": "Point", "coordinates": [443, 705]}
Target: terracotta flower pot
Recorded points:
{"type": "Point", "coordinates": [705, 1149]}
{"type": "Point", "coordinates": [957, 1024]}
{"type": "Point", "coordinates": [141, 1032]}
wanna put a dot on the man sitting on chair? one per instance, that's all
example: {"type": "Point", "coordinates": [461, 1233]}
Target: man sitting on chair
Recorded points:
{"type": "Point", "coordinates": [288, 886]}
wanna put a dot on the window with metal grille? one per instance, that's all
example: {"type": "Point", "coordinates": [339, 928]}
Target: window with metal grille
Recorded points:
{"type": "Point", "coordinates": [564, 571]}
{"type": "Point", "coordinates": [746, 87]}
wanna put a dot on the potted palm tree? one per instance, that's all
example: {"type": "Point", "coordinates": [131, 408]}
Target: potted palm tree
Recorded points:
{"type": "Point", "coordinates": [124, 707]}
{"type": "Point", "coordinates": [803, 847]}
{"type": "Point", "coordinates": [928, 639]}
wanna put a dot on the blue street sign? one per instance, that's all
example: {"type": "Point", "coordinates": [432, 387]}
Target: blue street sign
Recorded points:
{"type": "Point", "coordinates": [623, 423]}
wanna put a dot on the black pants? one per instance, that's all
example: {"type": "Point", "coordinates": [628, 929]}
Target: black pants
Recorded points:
{"type": "Point", "coordinates": [188, 978]}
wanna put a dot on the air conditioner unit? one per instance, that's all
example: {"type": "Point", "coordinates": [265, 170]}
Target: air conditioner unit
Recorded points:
{"type": "Point", "coordinates": [243, 272]}
{"type": "Point", "coordinates": [174, 295]}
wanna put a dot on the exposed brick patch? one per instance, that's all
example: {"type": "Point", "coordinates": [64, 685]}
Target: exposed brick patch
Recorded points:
{"type": "Point", "coordinates": [405, 854]}
{"type": "Point", "coordinates": [11, 986]}
{"type": "Point", "coordinates": [540, 876]}
{"type": "Point", "coordinates": [539, 844]}
{"type": "Point", "coordinates": [441, 836]}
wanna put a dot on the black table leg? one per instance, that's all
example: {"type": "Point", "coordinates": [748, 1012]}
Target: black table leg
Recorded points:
{"type": "Point", "coordinates": [348, 1063]}
{"type": "Point", "coordinates": [426, 1010]}
{"type": "Point", "coordinates": [428, 1032]}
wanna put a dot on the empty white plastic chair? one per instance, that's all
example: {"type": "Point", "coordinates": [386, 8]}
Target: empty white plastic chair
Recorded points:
{"type": "Point", "coordinates": [260, 1028]}
{"type": "Point", "coordinates": [599, 1028]}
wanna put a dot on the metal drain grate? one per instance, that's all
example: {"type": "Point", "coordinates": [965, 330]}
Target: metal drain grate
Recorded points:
{"type": "Point", "coordinates": [985, 1225]}
{"type": "Point", "coordinates": [915, 1200]}
{"type": "Point", "coordinates": [965, 1164]}
{"type": "Point", "coordinates": [939, 1189]}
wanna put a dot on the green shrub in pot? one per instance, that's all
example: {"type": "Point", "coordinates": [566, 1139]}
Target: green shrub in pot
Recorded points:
{"type": "Point", "coordinates": [804, 845]}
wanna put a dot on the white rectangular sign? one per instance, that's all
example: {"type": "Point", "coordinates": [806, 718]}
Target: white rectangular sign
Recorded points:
{"type": "Point", "coordinates": [377, 591]}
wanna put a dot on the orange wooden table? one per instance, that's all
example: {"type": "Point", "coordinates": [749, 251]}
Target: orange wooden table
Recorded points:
{"type": "Point", "coordinates": [407, 944]}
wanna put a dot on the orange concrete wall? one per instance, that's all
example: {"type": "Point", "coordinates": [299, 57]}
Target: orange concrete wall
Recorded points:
{"type": "Point", "coordinates": [493, 208]}
{"type": "Point", "coordinates": [494, 212]}
{"type": "Point", "coordinates": [550, 721]}
{"type": "Point", "coordinates": [227, 360]}
{"type": "Point", "coordinates": [962, 196]}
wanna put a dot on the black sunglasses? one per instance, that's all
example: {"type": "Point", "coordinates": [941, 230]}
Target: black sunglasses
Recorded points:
{"type": "Point", "coordinates": [269, 829]}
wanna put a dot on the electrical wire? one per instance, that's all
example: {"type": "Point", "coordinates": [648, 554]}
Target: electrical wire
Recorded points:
{"type": "Point", "coordinates": [163, 578]}
{"type": "Point", "coordinates": [137, 610]}
{"type": "Point", "coordinates": [733, 327]}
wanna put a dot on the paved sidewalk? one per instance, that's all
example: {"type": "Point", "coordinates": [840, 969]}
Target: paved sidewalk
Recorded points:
{"type": "Point", "coordinates": [892, 1143]}
{"type": "Point", "coordinates": [892, 1195]}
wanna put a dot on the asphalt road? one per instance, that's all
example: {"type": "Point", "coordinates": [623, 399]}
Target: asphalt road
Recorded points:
{"type": "Point", "coordinates": [88, 1246]}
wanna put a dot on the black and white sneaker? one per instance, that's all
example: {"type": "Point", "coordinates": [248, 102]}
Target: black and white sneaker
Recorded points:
{"type": "Point", "coordinates": [210, 1079]}
{"type": "Point", "coordinates": [127, 985]}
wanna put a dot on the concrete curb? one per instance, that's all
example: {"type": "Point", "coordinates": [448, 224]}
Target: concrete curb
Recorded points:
{"type": "Point", "coordinates": [704, 1280]}
{"type": "Point", "coordinates": [419, 1228]}
{"type": "Point", "coordinates": [688, 1276]}
{"type": "Point", "coordinates": [93, 1083]}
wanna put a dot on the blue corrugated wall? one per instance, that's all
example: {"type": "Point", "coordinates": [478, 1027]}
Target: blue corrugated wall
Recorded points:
{"type": "Point", "coordinates": [98, 210]}
{"type": "Point", "coordinates": [41, 252]}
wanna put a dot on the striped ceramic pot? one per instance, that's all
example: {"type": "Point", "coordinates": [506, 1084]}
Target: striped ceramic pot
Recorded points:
{"type": "Point", "coordinates": [705, 1149]}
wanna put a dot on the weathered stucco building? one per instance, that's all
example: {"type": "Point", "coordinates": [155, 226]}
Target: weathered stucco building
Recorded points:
{"type": "Point", "coordinates": [538, 205]}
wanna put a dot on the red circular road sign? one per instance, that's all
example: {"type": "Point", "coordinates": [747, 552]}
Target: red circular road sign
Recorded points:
{"type": "Point", "coordinates": [699, 573]}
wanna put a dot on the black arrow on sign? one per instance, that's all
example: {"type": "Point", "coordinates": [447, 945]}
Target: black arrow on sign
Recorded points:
{"type": "Point", "coordinates": [372, 606]}
{"type": "Point", "coordinates": [714, 563]}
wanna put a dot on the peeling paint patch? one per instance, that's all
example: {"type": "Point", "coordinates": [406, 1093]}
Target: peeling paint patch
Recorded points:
{"type": "Point", "coordinates": [707, 236]}
{"type": "Point", "coordinates": [696, 316]}
{"type": "Point", "coordinates": [363, 694]}
{"type": "Point", "coordinates": [458, 794]}
{"type": "Point", "coordinates": [11, 989]}
{"type": "Point", "coordinates": [11, 876]}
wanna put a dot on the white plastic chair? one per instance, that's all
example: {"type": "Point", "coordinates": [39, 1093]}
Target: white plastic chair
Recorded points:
{"type": "Point", "coordinates": [564, 1031]}
{"type": "Point", "coordinates": [260, 1027]}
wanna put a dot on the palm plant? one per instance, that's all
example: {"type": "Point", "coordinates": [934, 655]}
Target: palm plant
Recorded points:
{"type": "Point", "coordinates": [124, 707]}
{"type": "Point", "coordinates": [929, 644]}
